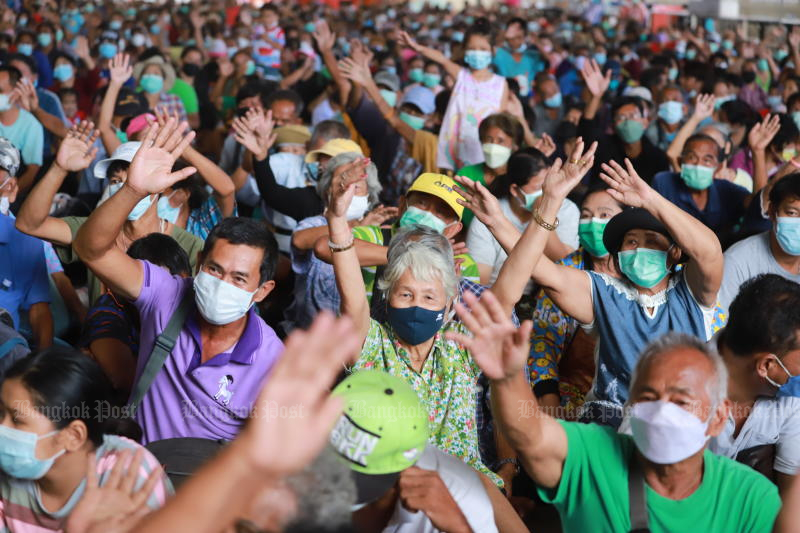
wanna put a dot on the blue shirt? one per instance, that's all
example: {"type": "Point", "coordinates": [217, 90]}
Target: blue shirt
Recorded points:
{"type": "Point", "coordinates": [724, 208]}
{"type": "Point", "coordinates": [23, 270]}
{"type": "Point", "coordinates": [27, 134]}
{"type": "Point", "coordinates": [50, 103]}
{"type": "Point", "coordinates": [527, 67]}
{"type": "Point", "coordinates": [625, 326]}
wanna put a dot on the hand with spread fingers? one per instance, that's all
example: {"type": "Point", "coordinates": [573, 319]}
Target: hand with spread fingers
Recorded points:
{"type": "Point", "coordinates": [379, 215]}
{"type": "Point", "coordinates": [120, 70]}
{"type": "Point", "coordinates": [626, 186]}
{"type": "Point", "coordinates": [593, 77]}
{"type": "Point", "coordinates": [77, 150]}
{"type": "Point", "coordinates": [561, 177]}
{"type": "Point", "coordinates": [763, 132]}
{"type": "Point", "coordinates": [343, 187]}
{"type": "Point", "coordinates": [151, 169]}
{"type": "Point", "coordinates": [477, 198]}
{"type": "Point", "coordinates": [704, 107]}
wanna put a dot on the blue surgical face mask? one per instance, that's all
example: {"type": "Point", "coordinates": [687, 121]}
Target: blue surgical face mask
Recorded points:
{"type": "Point", "coordinates": [389, 96]}
{"type": "Point", "coordinates": [415, 215]}
{"type": "Point", "coordinates": [601, 58]}
{"type": "Point", "coordinates": [107, 50]}
{"type": "Point", "coordinates": [415, 325]}
{"type": "Point", "coordinates": [63, 72]}
{"type": "Point", "coordinates": [787, 233]}
{"type": "Point", "coordinates": [152, 83]}
{"type": "Point", "coordinates": [45, 39]}
{"type": "Point", "coordinates": [553, 101]}
{"type": "Point", "coordinates": [478, 59]}
{"type": "Point", "coordinates": [416, 123]}
{"type": "Point", "coordinates": [313, 169]}
{"type": "Point", "coordinates": [140, 208]}
{"type": "Point", "coordinates": [796, 118]}
{"type": "Point", "coordinates": [18, 454]}
{"type": "Point", "coordinates": [670, 112]}
{"type": "Point", "coordinates": [115, 25]}
{"type": "Point", "coordinates": [792, 385]}
{"type": "Point", "coordinates": [390, 69]}
{"type": "Point", "coordinates": [25, 49]}
{"type": "Point", "coordinates": [165, 209]}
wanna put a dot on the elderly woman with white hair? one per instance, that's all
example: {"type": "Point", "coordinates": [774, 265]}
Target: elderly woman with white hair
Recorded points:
{"type": "Point", "coordinates": [420, 285]}
{"type": "Point", "coordinates": [315, 284]}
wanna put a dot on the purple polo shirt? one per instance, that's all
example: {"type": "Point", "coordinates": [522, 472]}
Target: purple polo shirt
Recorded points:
{"type": "Point", "coordinates": [187, 398]}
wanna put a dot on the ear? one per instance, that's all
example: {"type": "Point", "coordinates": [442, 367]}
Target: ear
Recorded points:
{"type": "Point", "coordinates": [763, 363]}
{"type": "Point", "coordinates": [675, 254]}
{"type": "Point", "coordinates": [452, 231]}
{"type": "Point", "coordinates": [74, 436]}
{"type": "Point", "coordinates": [264, 290]}
{"type": "Point", "coordinates": [719, 418]}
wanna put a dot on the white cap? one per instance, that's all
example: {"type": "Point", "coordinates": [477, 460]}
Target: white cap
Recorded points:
{"type": "Point", "coordinates": [124, 152]}
{"type": "Point", "coordinates": [640, 92]}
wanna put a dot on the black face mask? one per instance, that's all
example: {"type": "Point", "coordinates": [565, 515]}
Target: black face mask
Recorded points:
{"type": "Point", "coordinates": [190, 69]}
{"type": "Point", "coordinates": [748, 76]}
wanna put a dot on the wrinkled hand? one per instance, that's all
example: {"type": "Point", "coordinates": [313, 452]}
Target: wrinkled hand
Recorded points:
{"type": "Point", "coordinates": [626, 186]}
{"type": "Point", "coordinates": [116, 506]}
{"type": "Point", "coordinates": [77, 150]}
{"type": "Point", "coordinates": [255, 132]}
{"type": "Point", "coordinates": [343, 186]}
{"type": "Point", "coordinates": [302, 380]}
{"type": "Point", "coordinates": [324, 37]}
{"type": "Point", "coordinates": [151, 169]}
{"type": "Point", "coordinates": [354, 71]}
{"type": "Point", "coordinates": [120, 69]}
{"type": "Point", "coordinates": [379, 215]}
{"type": "Point", "coordinates": [423, 490]}
{"type": "Point", "coordinates": [763, 132]}
{"type": "Point", "coordinates": [703, 106]}
{"type": "Point", "coordinates": [406, 40]}
{"type": "Point", "coordinates": [545, 144]}
{"type": "Point", "coordinates": [499, 348]}
{"type": "Point", "coordinates": [246, 136]}
{"type": "Point", "coordinates": [594, 79]}
{"type": "Point", "coordinates": [477, 198]}
{"type": "Point", "coordinates": [561, 177]}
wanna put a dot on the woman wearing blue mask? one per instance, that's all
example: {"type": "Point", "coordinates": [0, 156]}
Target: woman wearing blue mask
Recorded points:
{"type": "Point", "coordinates": [478, 92]}
{"type": "Point", "coordinates": [58, 423]}
{"type": "Point", "coordinates": [155, 78]}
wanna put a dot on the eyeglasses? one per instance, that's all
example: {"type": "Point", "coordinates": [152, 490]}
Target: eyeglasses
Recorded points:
{"type": "Point", "coordinates": [632, 116]}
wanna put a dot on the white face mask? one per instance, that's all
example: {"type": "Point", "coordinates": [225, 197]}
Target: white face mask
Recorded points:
{"type": "Point", "coordinates": [666, 434]}
{"type": "Point", "coordinates": [358, 207]}
{"type": "Point", "coordinates": [495, 155]}
{"type": "Point", "coordinates": [218, 301]}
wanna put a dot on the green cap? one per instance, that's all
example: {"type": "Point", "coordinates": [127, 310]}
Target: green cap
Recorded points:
{"type": "Point", "coordinates": [382, 431]}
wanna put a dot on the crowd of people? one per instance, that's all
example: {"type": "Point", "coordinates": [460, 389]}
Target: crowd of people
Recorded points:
{"type": "Point", "coordinates": [343, 267]}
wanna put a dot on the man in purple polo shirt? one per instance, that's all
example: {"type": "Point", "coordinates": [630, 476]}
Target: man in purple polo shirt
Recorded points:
{"type": "Point", "coordinates": [209, 382]}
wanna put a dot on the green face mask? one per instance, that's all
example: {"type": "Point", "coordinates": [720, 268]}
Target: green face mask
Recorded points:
{"type": "Point", "coordinates": [530, 198]}
{"type": "Point", "coordinates": [590, 234]}
{"type": "Point", "coordinates": [630, 131]}
{"type": "Point", "coordinates": [250, 69]}
{"type": "Point", "coordinates": [643, 266]}
{"type": "Point", "coordinates": [416, 123]}
{"type": "Point", "coordinates": [389, 96]}
{"type": "Point", "coordinates": [697, 177]}
{"type": "Point", "coordinates": [415, 215]}
{"type": "Point", "coordinates": [431, 80]}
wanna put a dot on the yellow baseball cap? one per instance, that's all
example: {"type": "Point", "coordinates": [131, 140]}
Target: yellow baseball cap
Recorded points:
{"type": "Point", "coordinates": [333, 148]}
{"type": "Point", "coordinates": [442, 186]}
{"type": "Point", "coordinates": [292, 134]}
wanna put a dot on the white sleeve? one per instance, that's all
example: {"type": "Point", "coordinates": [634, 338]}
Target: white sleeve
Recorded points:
{"type": "Point", "coordinates": [568, 219]}
{"type": "Point", "coordinates": [787, 450]}
{"type": "Point", "coordinates": [481, 243]}
{"type": "Point", "coordinates": [248, 194]}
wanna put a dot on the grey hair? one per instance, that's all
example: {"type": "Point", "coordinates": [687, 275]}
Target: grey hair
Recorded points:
{"type": "Point", "coordinates": [374, 186]}
{"type": "Point", "coordinates": [325, 493]}
{"type": "Point", "coordinates": [717, 387]}
{"type": "Point", "coordinates": [427, 253]}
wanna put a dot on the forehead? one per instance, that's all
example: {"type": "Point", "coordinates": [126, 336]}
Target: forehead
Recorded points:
{"type": "Point", "coordinates": [600, 199]}
{"type": "Point", "coordinates": [790, 201]}
{"type": "Point", "coordinates": [153, 69]}
{"type": "Point", "coordinates": [641, 234]}
{"type": "Point", "coordinates": [702, 146]}
{"type": "Point", "coordinates": [417, 198]}
{"type": "Point", "coordinates": [235, 257]}
{"type": "Point", "coordinates": [286, 106]}
{"type": "Point", "coordinates": [407, 281]}
{"type": "Point", "coordinates": [672, 92]}
{"type": "Point", "coordinates": [627, 109]}
{"type": "Point", "coordinates": [681, 368]}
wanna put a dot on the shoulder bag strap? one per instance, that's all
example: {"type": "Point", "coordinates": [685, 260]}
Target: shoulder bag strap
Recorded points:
{"type": "Point", "coordinates": [640, 521]}
{"type": "Point", "coordinates": [163, 346]}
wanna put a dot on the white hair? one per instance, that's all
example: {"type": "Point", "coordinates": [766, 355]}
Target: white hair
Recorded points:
{"type": "Point", "coordinates": [427, 253]}
{"type": "Point", "coordinates": [717, 387]}
{"type": "Point", "coordinates": [374, 186]}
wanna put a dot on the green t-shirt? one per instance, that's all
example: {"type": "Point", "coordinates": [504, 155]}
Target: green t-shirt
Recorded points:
{"type": "Point", "coordinates": [191, 244]}
{"type": "Point", "coordinates": [373, 234]}
{"type": "Point", "coordinates": [187, 94]}
{"type": "Point", "coordinates": [475, 173]}
{"type": "Point", "coordinates": [593, 491]}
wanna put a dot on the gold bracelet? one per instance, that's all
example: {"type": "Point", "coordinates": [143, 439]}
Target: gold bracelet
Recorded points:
{"type": "Point", "coordinates": [340, 247]}
{"type": "Point", "coordinates": [539, 220]}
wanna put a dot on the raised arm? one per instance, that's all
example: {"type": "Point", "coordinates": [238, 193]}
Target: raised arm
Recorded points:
{"type": "Point", "coordinates": [597, 84]}
{"type": "Point", "coordinates": [345, 260]}
{"type": "Point", "coordinates": [695, 239]}
{"type": "Point", "coordinates": [501, 350]}
{"type": "Point", "coordinates": [451, 67]}
{"type": "Point", "coordinates": [120, 71]}
{"type": "Point", "coordinates": [25, 94]}
{"type": "Point", "coordinates": [150, 173]}
{"type": "Point", "coordinates": [569, 287]}
{"type": "Point", "coordinates": [703, 109]}
{"type": "Point", "coordinates": [75, 154]}
{"type": "Point", "coordinates": [325, 39]}
{"type": "Point", "coordinates": [759, 138]}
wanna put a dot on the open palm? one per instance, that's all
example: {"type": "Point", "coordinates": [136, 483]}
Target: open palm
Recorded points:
{"type": "Point", "coordinates": [77, 151]}
{"type": "Point", "coordinates": [626, 186]}
{"type": "Point", "coordinates": [151, 169]}
{"type": "Point", "coordinates": [562, 177]}
{"type": "Point", "coordinates": [120, 69]}
{"type": "Point", "coordinates": [479, 200]}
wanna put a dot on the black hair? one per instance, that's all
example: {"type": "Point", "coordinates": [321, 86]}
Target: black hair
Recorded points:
{"type": "Point", "coordinates": [271, 7]}
{"type": "Point", "coordinates": [62, 55]}
{"type": "Point", "coordinates": [46, 24]}
{"type": "Point", "coordinates": [248, 90]}
{"type": "Point", "coordinates": [240, 230]}
{"type": "Point", "coordinates": [507, 123]}
{"type": "Point", "coordinates": [116, 166]}
{"type": "Point", "coordinates": [738, 112]}
{"type": "Point", "coordinates": [67, 385]}
{"type": "Point", "coordinates": [28, 60]}
{"type": "Point", "coordinates": [67, 91]}
{"type": "Point", "coordinates": [187, 50]}
{"type": "Point", "coordinates": [793, 99]}
{"type": "Point", "coordinates": [764, 317]}
{"type": "Point", "coordinates": [327, 130]}
{"type": "Point", "coordinates": [442, 100]}
{"type": "Point", "coordinates": [480, 27]}
{"type": "Point", "coordinates": [522, 165]}
{"type": "Point", "coordinates": [287, 95]}
{"type": "Point", "coordinates": [520, 21]}
{"type": "Point", "coordinates": [628, 100]}
{"type": "Point", "coordinates": [698, 70]}
{"type": "Point", "coordinates": [162, 250]}
{"type": "Point", "coordinates": [787, 133]}
{"type": "Point", "coordinates": [786, 187]}
{"type": "Point", "coordinates": [706, 138]}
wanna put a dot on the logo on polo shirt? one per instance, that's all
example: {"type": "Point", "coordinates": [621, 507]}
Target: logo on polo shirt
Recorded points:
{"type": "Point", "coordinates": [223, 395]}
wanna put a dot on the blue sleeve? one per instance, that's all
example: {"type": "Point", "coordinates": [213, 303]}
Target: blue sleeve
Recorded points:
{"type": "Point", "coordinates": [45, 71]}
{"type": "Point", "coordinates": [39, 289]}
{"type": "Point", "coordinates": [734, 197]}
{"type": "Point", "coordinates": [33, 147]}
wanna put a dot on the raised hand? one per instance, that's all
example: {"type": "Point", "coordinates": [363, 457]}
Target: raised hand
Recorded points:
{"type": "Point", "coordinates": [379, 215]}
{"type": "Point", "coordinates": [120, 69]}
{"type": "Point", "coordinates": [82, 47]}
{"type": "Point", "coordinates": [355, 71]}
{"type": "Point", "coordinates": [151, 169]}
{"type": "Point", "coordinates": [343, 186]}
{"type": "Point", "coordinates": [594, 79]}
{"type": "Point", "coordinates": [21, 96]}
{"type": "Point", "coordinates": [406, 40]}
{"type": "Point", "coordinates": [302, 379]}
{"type": "Point", "coordinates": [561, 177]}
{"type": "Point", "coordinates": [196, 18]}
{"type": "Point", "coordinates": [703, 106]}
{"type": "Point", "coordinates": [794, 39]}
{"type": "Point", "coordinates": [246, 136]}
{"type": "Point", "coordinates": [77, 150]}
{"type": "Point", "coordinates": [360, 53]}
{"type": "Point", "coordinates": [482, 202]}
{"type": "Point", "coordinates": [117, 503]}
{"type": "Point", "coordinates": [763, 132]}
{"type": "Point", "coordinates": [626, 186]}
{"type": "Point", "coordinates": [545, 144]}
{"type": "Point", "coordinates": [499, 348]}
{"type": "Point", "coordinates": [325, 38]}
